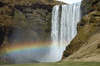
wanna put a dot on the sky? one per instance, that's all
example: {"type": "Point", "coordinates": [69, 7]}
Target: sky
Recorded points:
{"type": "Point", "coordinates": [70, 1]}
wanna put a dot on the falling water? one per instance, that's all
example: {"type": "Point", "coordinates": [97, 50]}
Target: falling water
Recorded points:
{"type": "Point", "coordinates": [64, 26]}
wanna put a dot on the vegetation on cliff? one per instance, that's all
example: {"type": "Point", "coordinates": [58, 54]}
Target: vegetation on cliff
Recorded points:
{"type": "Point", "coordinates": [89, 6]}
{"type": "Point", "coordinates": [16, 15]}
{"type": "Point", "coordinates": [29, 2]}
{"type": "Point", "coordinates": [86, 43]}
{"type": "Point", "coordinates": [6, 21]}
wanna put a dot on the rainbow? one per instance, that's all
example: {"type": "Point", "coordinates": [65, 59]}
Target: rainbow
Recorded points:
{"type": "Point", "coordinates": [27, 52]}
{"type": "Point", "coordinates": [20, 47]}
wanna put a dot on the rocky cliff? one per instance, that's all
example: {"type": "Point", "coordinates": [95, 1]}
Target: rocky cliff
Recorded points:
{"type": "Point", "coordinates": [6, 21]}
{"type": "Point", "coordinates": [25, 20]}
{"type": "Point", "coordinates": [86, 45]}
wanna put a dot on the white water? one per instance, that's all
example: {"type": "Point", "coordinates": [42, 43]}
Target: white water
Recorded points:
{"type": "Point", "coordinates": [64, 25]}
{"type": "Point", "coordinates": [65, 30]}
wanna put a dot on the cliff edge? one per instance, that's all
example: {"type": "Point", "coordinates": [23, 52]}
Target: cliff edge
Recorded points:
{"type": "Point", "coordinates": [86, 45]}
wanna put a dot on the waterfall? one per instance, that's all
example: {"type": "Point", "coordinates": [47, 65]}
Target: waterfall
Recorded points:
{"type": "Point", "coordinates": [64, 29]}
{"type": "Point", "coordinates": [64, 26]}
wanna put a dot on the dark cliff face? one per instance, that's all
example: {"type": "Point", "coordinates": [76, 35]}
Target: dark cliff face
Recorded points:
{"type": "Point", "coordinates": [89, 6]}
{"type": "Point", "coordinates": [31, 24]}
{"type": "Point", "coordinates": [6, 21]}
{"type": "Point", "coordinates": [88, 32]}
{"type": "Point", "coordinates": [25, 20]}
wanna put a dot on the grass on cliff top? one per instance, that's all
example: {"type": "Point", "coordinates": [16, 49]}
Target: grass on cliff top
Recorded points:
{"type": "Point", "coordinates": [59, 64]}
{"type": "Point", "coordinates": [22, 2]}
